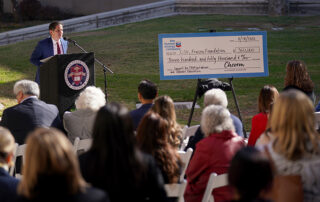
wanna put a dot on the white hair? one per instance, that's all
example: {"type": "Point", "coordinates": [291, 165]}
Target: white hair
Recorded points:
{"type": "Point", "coordinates": [91, 98]}
{"type": "Point", "coordinates": [215, 96]}
{"type": "Point", "coordinates": [215, 119]}
{"type": "Point", "coordinates": [27, 87]}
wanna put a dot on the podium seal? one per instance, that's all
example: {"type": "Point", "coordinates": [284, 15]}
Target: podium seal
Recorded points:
{"type": "Point", "coordinates": [76, 75]}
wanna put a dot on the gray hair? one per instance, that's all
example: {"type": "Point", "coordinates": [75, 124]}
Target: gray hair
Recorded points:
{"type": "Point", "coordinates": [215, 96]}
{"type": "Point", "coordinates": [91, 98]}
{"type": "Point", "coordinates": [215, 119]}
{"type": "Point", "coordinates": [27, 87]}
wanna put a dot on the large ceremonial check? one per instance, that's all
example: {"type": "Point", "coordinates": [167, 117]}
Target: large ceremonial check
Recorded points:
{"type": "Point", "coordinates": [213, 55]}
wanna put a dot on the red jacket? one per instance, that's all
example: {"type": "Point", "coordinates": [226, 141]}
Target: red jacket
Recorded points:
{"type": "Point", "coordinates": [212, 154]}
{"type": "Point", "coordinates": [258, 126]}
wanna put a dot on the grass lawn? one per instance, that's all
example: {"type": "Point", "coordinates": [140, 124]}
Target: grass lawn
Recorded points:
{"type": "Point", "coordinates": [132, 52]}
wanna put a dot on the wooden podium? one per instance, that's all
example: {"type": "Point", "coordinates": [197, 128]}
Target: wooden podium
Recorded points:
{"type": "Point", "coordinates": [63, 77]}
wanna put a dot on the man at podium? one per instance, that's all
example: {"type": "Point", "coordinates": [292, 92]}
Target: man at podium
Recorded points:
{"type": "Point", "coordinates": [48, 47]}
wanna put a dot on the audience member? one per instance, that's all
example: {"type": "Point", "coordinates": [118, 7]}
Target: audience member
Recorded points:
{"type": "Point", "coordinates": [266, 137]}
{"type": "Point", "coordinates": [268, 95]}
{"type": "Point", "coordinates": [147, 92]}
{"type": "Point", "coordinates": [295, 150]}
{"type": "Point", "coordinates": [215, 97]}
{"type": "Point", "coordinates": [250, 175]}
{"type": "Point", "coordinates": [297, 77]}
{"type": "Point", "coordinates": [164, 106]}
{"type": "Point", "coordinates": [80, 122]}
{"type": "Point", "coordinates": [213, 153]}
{"type": "Point", "coordinates": [51, 171]}
{"type": "Point", "coordinates": [115, 164]}
{"type": "Point", "coordinates": [152, 138]}
{"type": "Point", "coordinates": [8, 184]}
{"type": "Point", "coordinates": [30, 112]}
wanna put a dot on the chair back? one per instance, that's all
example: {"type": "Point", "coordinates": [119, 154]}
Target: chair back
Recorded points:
{"type": "Point", "coordinates": [20, 151]}
{"type": "Point", "coordinates": [176, 190]}
{"type": "Point", "coordinates": [317, 118]}
{"type": "Point", "coordinates": [187, 132]}
{"type": "Point", "coordinates": [185, 158]}
{"type": "Point", "coordinates": [82, 145]}
{"type": "Point", "coordinates": [214, 182]}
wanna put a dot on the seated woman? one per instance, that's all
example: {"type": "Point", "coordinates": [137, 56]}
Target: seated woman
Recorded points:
{"type": "Point", "coordinates": [115, 164]}
{"type": "Point", "coordinates": [297, 77]}
{"type": "Point", "coordinates": [51, 171]}
{"type": "Point", "coordinates": [246, 178]}
{"type": "Point", "coordinates": [213, 153]}
{"type": "Point", "coordinates": [80, 122]}
{"type": "Point", "coordinates": [295, 149]}
{"type": "Point", "coordinates": [164, 106]}
{"type": "Point", "coordinates": [8, 184]}
{"type": "Point", "coordinates": [268, 95]}
{"type": "Point", "coordinates": [152, 138]}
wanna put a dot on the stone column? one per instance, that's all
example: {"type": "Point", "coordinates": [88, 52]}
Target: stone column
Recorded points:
{"type": "Point", "coordinates": [278, 7]}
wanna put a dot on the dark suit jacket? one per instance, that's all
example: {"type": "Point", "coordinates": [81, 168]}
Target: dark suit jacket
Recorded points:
{"type": "Point", "coordinates": [8, 186]}
{"type": "Point", "coordinates": [137, 114]}
{"type": "Point", "coordinates": [28, 115]}
{"type": "Point", "coordinates": [43, 50]}
{"type": "Point", "coordinates": [90, 195]}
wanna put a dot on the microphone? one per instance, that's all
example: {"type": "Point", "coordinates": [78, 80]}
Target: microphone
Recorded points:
{"type": "Point", "coordinates": [69, 40]}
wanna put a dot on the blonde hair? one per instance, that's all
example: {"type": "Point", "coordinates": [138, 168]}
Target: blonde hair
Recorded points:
{"type": "Point", "coordinates": [7, 144]}
{"type": "Point", "coordinates": [215, 119]}
{"type": "Point", "coordinates": [49, 152]}
{"type": "Point", "coordinates": [164, 106]}
{"type": "Point", "coordinates": [293, 124]}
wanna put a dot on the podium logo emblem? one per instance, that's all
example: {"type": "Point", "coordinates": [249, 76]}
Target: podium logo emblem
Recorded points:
{"type": "Point", "coordinates": [76, 75]}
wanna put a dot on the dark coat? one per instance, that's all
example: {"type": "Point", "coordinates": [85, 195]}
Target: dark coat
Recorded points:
{"type": "Point", "coordinates": [28, 115]}
{"type": "Point", "coordinates": [8, 186]}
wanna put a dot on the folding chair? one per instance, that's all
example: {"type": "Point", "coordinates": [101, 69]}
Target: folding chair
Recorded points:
{"type": "Point", "coordinates": [187, 133]}
{"type": "Point", "coordinates": [185, 158]}
{"type": "Point", "coordinates": [82, 145]}
{"type": "Point", "coordinates": [20, 151]}
{"type": "Point", "coordinates": [176, 190]}
{"type": "Point", "coordinates": [214, 182]}
{"type": "Point", "coordinates": [317, 118]}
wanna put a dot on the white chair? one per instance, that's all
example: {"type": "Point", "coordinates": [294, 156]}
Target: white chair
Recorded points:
{"type": "Point", "coordinates": [187, 132]}
{"type": "Point", "coordinates": [317, 118]}
{"type": "Point", "coordinates": [214, 182]}
{"type": "Point", "coordinates": [176, 190]}
{"type": "Point", "coordinates": [20, 151]}
{"type": "Point", "coordinates": [82, 145]}
{"type": "Point", "coordinates": [185, 158]}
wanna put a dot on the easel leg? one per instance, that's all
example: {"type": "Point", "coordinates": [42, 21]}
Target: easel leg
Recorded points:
{"type": "Point", "coordinates": [194, 103]}
{"type": "Point", "coordinates": [237, 106]}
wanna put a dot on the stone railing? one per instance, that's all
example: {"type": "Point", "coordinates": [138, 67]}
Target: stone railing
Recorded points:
{"type": "Point", "coordinates": [163, 9]}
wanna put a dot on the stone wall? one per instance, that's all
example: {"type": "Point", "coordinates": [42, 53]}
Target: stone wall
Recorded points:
{"type": "Point", "coordinates": [236, 7]}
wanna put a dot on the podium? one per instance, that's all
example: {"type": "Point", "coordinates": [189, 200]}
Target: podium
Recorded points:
{"type": "Point", "coordinates": [63, 77]}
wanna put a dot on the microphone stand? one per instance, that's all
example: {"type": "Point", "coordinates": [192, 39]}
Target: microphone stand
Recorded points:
{"type": "Point", "coordinates": [104, 67]}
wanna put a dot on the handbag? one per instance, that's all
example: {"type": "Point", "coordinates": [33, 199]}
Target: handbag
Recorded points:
{"type": "Point", "coordinates": [285, 188]}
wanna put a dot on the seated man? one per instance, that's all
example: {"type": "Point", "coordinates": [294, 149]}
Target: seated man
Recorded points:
{"type": "Point", "coordinates": [215, 97]}
{"type": "Point", "coordinates": [30, 112]}
{"type": "Point", "coordinates": [147, 92]}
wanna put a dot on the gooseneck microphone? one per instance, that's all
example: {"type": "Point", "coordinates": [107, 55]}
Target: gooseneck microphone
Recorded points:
{"type": "Point", "coordinates": [69, 40]}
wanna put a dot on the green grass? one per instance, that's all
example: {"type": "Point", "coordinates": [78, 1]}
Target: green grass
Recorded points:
{"type": "Point", "coordinates": [132, 52]}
